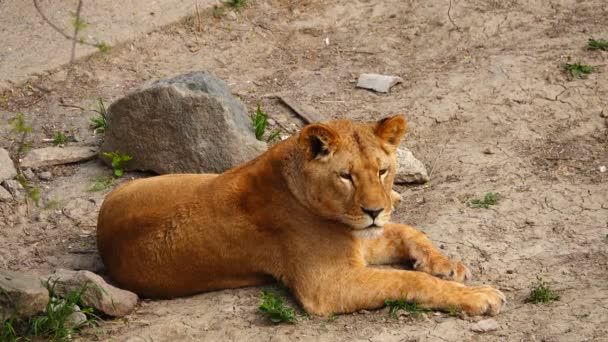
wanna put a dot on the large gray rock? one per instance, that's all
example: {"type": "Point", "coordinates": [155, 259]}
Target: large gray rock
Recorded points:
{"type": "Point", "coordinates": [98, 294]}
{"type": "Point", "coordinates": [48, 156]}
{"type": "Point", "coordinates": [409, 169]}
{"type": "Point", "coordinates": [7, 169]}
{"type": "Point", "coordinates": [190, 123]}
{"type": "Point", "coordinates": [21, 294]}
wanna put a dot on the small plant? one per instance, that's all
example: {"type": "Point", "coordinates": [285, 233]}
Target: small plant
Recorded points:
{"type": "Point", "coordinates": [101, 184]}
{"type": "Point", "coordinates": [259, 121]}
{"type": "Point", "coordinates": [19, 124]}
{"type": "Point", "coordinates": [8, 332]}
{"type": "Point", "coordinates": [237, 4]}
{"type": "Point", "coordinates": [597, 44]}
{"type": "Point", "coordinates": [454, 311]}
{"type": "Point", "coordinates": [103, 47]}
{"type": "Point", "coordinates": [99, 123]}
{"type": "Point", "coordinates": [577, 69]}
{"type": "Point", "coordinates": [118, 161]}
{"type": "Point", "coordinates": [491, 198]}
{"type": "Point", "coordinates": [32, 192]}
{"type": "Point", "coordinates": [413, 309]}
{"type": "Point", "coordinates": [218, 11]}
{"type": "Point", "coordinates": [59, 138]}
{"type": "Point", "coordinates": [541, 293]}
{"type": "Point", "coordinates": [273, 307]}
{"type": "Point", "coordinates": [332, 317]}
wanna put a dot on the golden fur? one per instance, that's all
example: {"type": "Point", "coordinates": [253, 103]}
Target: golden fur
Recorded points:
{"type": "Point", "coordinates": [302, 213]}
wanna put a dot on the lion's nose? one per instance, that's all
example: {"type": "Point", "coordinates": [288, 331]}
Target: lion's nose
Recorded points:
{"type": "Point", "coordinates": [373, 213]}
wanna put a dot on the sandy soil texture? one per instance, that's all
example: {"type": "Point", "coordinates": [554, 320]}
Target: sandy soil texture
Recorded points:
{"type": "Point", "coordinates": [489, 110]}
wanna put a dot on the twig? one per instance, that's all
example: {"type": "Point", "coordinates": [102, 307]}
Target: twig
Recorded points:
{"type": "Point", "coordinates": [57, 28]}
{"type": "Point", "coordinates": [198, 18]}
{"type": "Point", "coordinates": [76, 29]}
{"type": "Point", "coordinates": [437, 158]}
{"type": "Point", "coordinates": [71, 106]}
{"type": "Point", "coordinates": [450, 17]}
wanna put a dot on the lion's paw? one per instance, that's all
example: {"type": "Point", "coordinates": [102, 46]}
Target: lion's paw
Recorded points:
{"type": "Point", "coordinates": [481, 300]}
{"type": "Point", "coordinates": [442, 267]}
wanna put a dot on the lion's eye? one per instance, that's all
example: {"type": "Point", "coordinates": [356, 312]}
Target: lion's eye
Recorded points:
{"type": "Point", "coordinates": [382, 172]}
{"type": "Point", "coordinates": [346, 176]}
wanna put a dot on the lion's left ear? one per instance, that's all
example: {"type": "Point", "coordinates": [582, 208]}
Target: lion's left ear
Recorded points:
{"type": "Point", "coordinates": [391, 129]}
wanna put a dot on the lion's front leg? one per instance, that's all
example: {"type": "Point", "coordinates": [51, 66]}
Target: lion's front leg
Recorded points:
{"type": "Point", "coordinates": [401, 242]}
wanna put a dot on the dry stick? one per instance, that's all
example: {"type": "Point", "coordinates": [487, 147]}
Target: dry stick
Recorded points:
{"type": "Point", "coordinates": [57, 28]}
{"type": "Point", "coordinates": [450, 17]}
{"type": "Point", "coordinates": [198, 18]}
{"type": "Point", "coordinates": [76, 28]}
{"type": "Point", "coordinates": [437, 158]}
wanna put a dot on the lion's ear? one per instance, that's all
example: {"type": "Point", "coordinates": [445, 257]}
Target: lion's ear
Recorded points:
{"type": "Point", "coordinates": [319, 140]}
{"type": "Point", "coordinates": [391, 129]}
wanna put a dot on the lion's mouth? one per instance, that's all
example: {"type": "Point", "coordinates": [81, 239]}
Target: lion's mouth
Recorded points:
{"type": "Point", "coordinates": [370, 232]}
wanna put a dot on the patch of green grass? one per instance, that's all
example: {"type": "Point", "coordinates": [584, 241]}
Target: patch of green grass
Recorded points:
{"type": "Point", "coordinates": [8, 331]}
{"type": "Point", "coordinates": [597, 44]}
{"type": "Point", "coordinates": [490, 198]}
{"type": "Point", "coordinates": [259, 120]}
{"type": "Point", "coordinates": [272, 306]}
{"type": "Point", "coordinates": [454, 311]}
{"type": "Point", "coordinates": [218, 11]}
{"type": "Point", "coordinates": [413, 309]}
{"type": "Point", "coordinates": [577, 69]}
{"type": "Point", "coordinates": [59, 138]}
{"type": "Point", "coordinates": [541, 293]}
{"type": "Point", "coordinates": [332, 317]}
{"type": "Point", "coordinates": [99, 123]}
{"type": "Point", "coordinates": [118, 161]}
{"type": "Point", "coordinates": [101, 184]}
{"type": "Point", "coordinates": [19, 124]}
{"type": "Point", "coordinates": [103, 47]}
{"type": "Point", "coordinates": [237, 4]}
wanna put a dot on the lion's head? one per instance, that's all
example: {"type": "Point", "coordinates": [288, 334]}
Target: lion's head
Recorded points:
{"type": "Point", "coordinates": [347, 171]}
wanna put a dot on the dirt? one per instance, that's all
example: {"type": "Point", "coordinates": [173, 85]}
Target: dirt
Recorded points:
{"type": "Point", "coordinates": [489, 110]}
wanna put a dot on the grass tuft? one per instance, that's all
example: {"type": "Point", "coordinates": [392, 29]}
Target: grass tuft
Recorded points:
{"type": "Point", "coordinates": [273, 307]}
{"type": "Point", "coordinates": [101, 184]}
{"type": "Point", "coordinates": [118, 161]}
{"type": "Point", "coordinates": [541, 293]}
{"type": "Point", "coordinates": [597, 44]}
{"type": "Point", "coordinates": [413, 309]}
{"type": "Point", "coordinates": [59, 138]}
{"type": "Point", "coordinates": [99, 123]}
{"type": "Point", "coordinates": [236, 4]}
{"type": "Point", "coordinates": [577, 69]}
{"type": "Point", "coordinates": [259, 121]}
{"type": "Point", "coordinates": [490, 198]}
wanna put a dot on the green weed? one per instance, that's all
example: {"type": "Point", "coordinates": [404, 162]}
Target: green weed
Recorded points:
{"type": "Point", "coordinates": [118, 161]}
{"type": "Point", "coordinates": [332, 317]}
{"type": "Point", "coordinates": [32, 192]}
{"type": "Point", "coordinates": [237, 4]}
{"type": "Point", "coordinates": [99, 123]}
{"type": "Point", "coordinates": [273, 307]}
{"type": "Point", "coordinates": [541, 293]}
{"type": "Point", "coordinates": [103, 47]}
{"type": "Point", "coordinates": [8, 332]}
{"type": "Point", "coordinates": [577, 69]}
{"type": "Point", "coordinates": [218, 11]}
{"type": "Point", "coordinates": [59, 138]}
{"type": "Point", "coordinates": [19, 124]}
{"type": "Point", "coordinates": [101, 184]}
{"type": "Point", "coordinates": [597, 44]}
{"type": "Point", "coordinates": [491, 198]}
{"type": "Point", "coordinates": [259, 120]}
{"type": "Point", "coordinates": [413, 309]}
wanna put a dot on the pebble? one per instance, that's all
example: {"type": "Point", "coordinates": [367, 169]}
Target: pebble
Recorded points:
{"type": "Point", "coordinates": [486, 325]}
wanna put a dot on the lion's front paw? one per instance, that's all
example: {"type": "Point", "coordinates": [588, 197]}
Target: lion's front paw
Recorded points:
{"type": "Point", "coordinates": [481, 300]}
{"type": "Point", "coordinates": [444, 268]}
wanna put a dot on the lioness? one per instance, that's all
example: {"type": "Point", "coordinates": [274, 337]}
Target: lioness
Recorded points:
{"type": "Point", "coordinates": [312, 212]}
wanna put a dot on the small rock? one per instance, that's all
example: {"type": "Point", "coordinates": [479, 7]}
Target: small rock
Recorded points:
{"type": "Point", "coordinates": [604, 113]}
{"type": "Point", "coordinates": [98, 294]}
{"type": "Point", "coordinates": [231, 15]}
{"type": "Point", "coordinates": [488, 151]}
{"type": "Point", "coordinates": [485, 326]}
{"type": "Point", "coordinates": [7, 169]}
{"type": "Point", "coordinates": [45, 176]}
{"type": "Point", "coordinates": [29, 174]}
{"type": "Point", "coordinates": [420, 200]}
{"type": "Point", "coordinates": [187, 124]}
{"type": "Point", "coordinates": [602, 168]}
{"type": "Point", "coordinates": [5, 196]}
{"type": "Point", "coordinates": [22, 295]}
{"type": "Point", "coordinates": [49, 156]}
{"type": "Point", "coordinates": [409, 169]}
{"type": "Point", "coordinates": [376, 82]}
{"type": "Point", "coordinates": [14, 188]}
{"type": "Point", "coordinates": [75, 319]}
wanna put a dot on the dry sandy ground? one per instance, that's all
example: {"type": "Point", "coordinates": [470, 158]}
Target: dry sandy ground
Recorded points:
{"type": "Point", "coordinates": [489, 110]}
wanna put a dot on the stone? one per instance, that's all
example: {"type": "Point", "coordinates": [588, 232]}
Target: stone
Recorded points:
{"type": "Point", "coordinates": [29, 174]}
{"type": "Point", "coordinates": [100, 295]}
{"type": "Point", "coordinates": [376, 82]}
{"type": "Point", "coordinates": [409, 169]}
{"type": "Point", "coordinates": [45, 176]}
{"type": "Point", "coordinates": [14, 188]}
{"type": "Point", "coordinates": [187, 124]}
{"type": "Point", "coordinates": [7, 169]}
{"type": "Point", "coordinates": [485, 325]}
{"type": "Point", "coordinates": [5, 196]}
{"type": "Point", "coordinates": [75, 319]}
{"type": "Point", "coordinates": [49, 156]}
{"type": "Point", "coordinates": [21, 294]}
{"type": "Point", "coordinates": [602, 168]}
